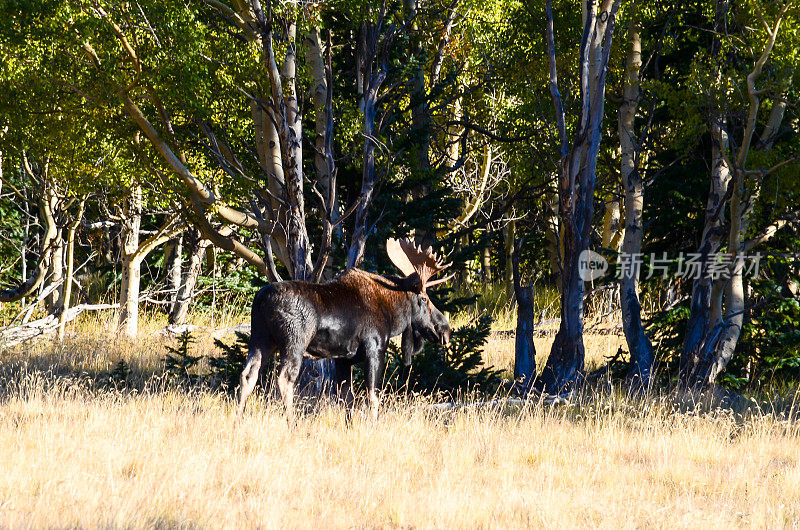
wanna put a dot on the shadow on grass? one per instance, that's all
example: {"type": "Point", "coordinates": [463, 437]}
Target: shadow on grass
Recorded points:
{"type": "Point", "coordinates": [97, 366]}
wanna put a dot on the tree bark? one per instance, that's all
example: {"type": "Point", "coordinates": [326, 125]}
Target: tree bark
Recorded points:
{"type": "Point", "coordinates": [373, 65]}
{"type": "Point", "coordinates": [564, 367]}
{"type": "Point", "coordinates": [55, 275]}
{"type": "Point", "coordinates": [70, 272]}
{"type": "Point", "coordinates": [131, 264]}
{"type": "Point", "coordinates": [701, 310]}
{"type": "Point", "coordinates": [197, 250]}
{"type": "Point", "coordinates": [133, 252]}
{"type": "Point", "coordinates": [772, 128]}
{"type": "Point", "coordinates": [129, 297]}
{"type": "Point", "coordinates": [290, 134]}
{"type": "Point", "coordinates": [524, 348]}
{"type": "Point", "coordinates": [290, 131]}
{"type": "Point", "coordinates": [46, 203]}
{"type": "Point", "coordinates": [319, 91]}
{"type": "Point", "coordinates": [577, 176]}
{"type": "Point", "coordinates": [175, 254]}
{"type": "Point", "coordinates": [26, 234]}
{"type": "Point", "coordinates": [269, 158]}
{"type": "Point", "coordinates": [486, 264]}
{"type": "Point", "coordinates": [612, 223]}
{"type": "Point", "coordinates": [322, 73]}
{"type": "Point", "coordinates": [355, 254]}
{"type": "Point", "coordinates": [720, 342]}
{"type": "Point", "coordinates": [639, 346]}
{"type": "Point", "coordinates": [509, 239]}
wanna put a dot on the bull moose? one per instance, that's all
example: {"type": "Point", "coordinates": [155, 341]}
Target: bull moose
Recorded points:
{"type": "Point", "coordinates": [349, 319]}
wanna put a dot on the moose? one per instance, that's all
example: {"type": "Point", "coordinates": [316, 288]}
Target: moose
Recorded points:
{"type": "Point", "coordinates": [349, 319]}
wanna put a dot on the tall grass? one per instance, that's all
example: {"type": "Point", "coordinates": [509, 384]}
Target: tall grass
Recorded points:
{"type": "Point", "coordinates": [79, 451]}
{"type": "Point", "coordinates": [171, 459]}
{"type": "Point", "coordinates": [86, 444]}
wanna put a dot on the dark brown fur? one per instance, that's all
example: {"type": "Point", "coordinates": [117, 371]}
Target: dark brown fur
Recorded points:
{"type": "Point", "coordinates": [349, 319]}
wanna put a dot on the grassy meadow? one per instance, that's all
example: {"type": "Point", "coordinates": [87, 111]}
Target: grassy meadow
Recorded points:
{"type": "Point", "coordinates": [76, 451]}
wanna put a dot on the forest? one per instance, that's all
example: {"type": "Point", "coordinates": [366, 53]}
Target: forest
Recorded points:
{"type": "Point", "coordinates": [615, 184]}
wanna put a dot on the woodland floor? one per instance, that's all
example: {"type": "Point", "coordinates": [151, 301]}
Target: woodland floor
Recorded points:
{"type": "Point", "coordinates": [78, 453]}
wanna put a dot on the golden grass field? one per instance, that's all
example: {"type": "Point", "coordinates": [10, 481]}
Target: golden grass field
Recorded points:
{"type": "Point", "coordinates": [76, 454]}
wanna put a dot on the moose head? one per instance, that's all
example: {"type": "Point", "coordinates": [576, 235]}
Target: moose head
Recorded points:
{"type": "Point", "coordinates": [427, 322]}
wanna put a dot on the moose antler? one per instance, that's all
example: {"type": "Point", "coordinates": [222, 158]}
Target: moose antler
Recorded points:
{"type": "Point", "coordinates": [410, 258]}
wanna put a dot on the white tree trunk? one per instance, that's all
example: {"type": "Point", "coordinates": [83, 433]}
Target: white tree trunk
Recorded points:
{"type": "Point", "coordinates": [773, 126]}
{"type": "Point", "coordinates": [612, 224]}
{"type": "Point", "coordinates": [56, 274]}
{"type": "Point", "coordinates": [577, 177]}
{"type": "Point", "coordinates": [321, 71]}
{"type": "Point", "coordinates": [269, 157]}
{"type": "Point", "coordinates": [639, 345]}
{"type": "Point", "coordinates": [486, 264]}
{"type": "Point", "coordinates": [291, 133]}
{"type": "Point", "coordinates": [175, 253]}
{"type": "Point", "coordinates": [129, 297]}
{"type": "Point", "coordinates": [701, 302]}
{"type": "Point", "coordinates": [131, 265]}
{"type": "Point", "coordinates": [745, 194]}
{"type": "Point", "coordinates": [374, 76]}
{"type": "Point", "coordinates": [314, 53]}
{"type": "Point", "coordinates": [70, 272]}
{"type": "Point", "coordinates": [189, 281]}
{"type": "Point", "coordinates": [711, 339]}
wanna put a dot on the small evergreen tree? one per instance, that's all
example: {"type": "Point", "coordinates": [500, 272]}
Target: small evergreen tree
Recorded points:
{"type": "Point", "coordinates": [119, 375]}
{"type": "Point", "coordinates": [178, 362]}
{"type": "Point", "coordinates": [227, 367]}
{"type": "Point", "coordinates": [447, 370]}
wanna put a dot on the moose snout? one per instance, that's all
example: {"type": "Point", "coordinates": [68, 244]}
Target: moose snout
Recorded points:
{"type": "Point", "coordinates": [445, 337]}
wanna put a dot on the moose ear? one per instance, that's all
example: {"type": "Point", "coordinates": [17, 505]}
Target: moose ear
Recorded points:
{"type": "Point", "coordinates": [413, 283]}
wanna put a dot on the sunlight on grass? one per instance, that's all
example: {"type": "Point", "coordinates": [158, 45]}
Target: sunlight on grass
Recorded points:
{"type": "Point", "coordinates": [496, 300]}
{"type": "Point", "coordinates": [79, 452]}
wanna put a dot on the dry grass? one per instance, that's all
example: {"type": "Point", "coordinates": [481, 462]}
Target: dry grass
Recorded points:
{"type": "Point", "coordinates": [499, 350]}
{"type": "Point", "coordinates": [75, 453]}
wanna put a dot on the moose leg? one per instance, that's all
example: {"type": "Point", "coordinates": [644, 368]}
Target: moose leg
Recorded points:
{"type": "Point", "coordinates": [344, 380]}
{"type": "Point", "coordinates": [247, 381]}
{"type": "Point", "coordinates": [290, 368]}
{"type": "Point", "coordinates": [374, 369]}
{"type": "Point", "coordinates": [344, 385]}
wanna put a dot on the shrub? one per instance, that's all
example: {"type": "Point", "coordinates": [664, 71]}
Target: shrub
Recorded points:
{"type": "Point", "coordinates": [178, 362]}
{"type": "Point", "coordinates": [457, 368]}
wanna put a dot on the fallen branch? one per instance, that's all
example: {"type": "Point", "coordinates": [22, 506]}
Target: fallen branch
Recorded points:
{"type": "Point", "coordinates": [175, 330]}
{"type": "Point", "coordinates": [44, 326]}
{"type": "Point", "coordinates": [536, 399]}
